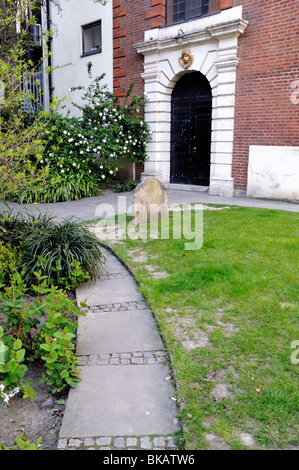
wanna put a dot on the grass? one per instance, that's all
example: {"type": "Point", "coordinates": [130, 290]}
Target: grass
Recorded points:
{"type": "Point", "coordinates": [228, 313]}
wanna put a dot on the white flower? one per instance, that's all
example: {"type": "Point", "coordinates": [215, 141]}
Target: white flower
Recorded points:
{"type": "Point", "coordinates": [103, 176]}
{"type": "Point", "coordinates": [101, 167]}
{"type": "Point", "coordinates": [81, 152]}
{"type": "Point", "coordinates": [41, 161]}
{"type": "Point", "coordinates": [65, 132]}
{"type": "Point", "coordinates": [62, 171]}
{"type": "Point", "coordinates": [74, 164]}
{"type": "Point", "coordinates": [111, 172]}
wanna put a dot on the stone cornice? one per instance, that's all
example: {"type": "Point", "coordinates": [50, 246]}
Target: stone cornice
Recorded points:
{"type": "Point", "coordinates": [232, 28]}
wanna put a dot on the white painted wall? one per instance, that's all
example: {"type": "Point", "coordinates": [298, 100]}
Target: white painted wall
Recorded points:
{"type": "Point", "coordinates": [71, 68]}
{"type": "Point", "coordinates": [273, 173]}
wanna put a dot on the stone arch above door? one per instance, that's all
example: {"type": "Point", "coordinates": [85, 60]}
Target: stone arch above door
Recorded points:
{"type": "Point", "coordinates": [213, 43]}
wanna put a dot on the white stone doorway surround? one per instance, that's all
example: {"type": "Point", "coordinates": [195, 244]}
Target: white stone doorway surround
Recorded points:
{"type": "Point", "coordinates": [213, 43]}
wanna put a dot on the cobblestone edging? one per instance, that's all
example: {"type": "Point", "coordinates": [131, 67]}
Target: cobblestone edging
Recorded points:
{"type": "Point", "coordinates": [119, 443]}
{"type": "Point", "coordinates": [135, 305]}
{"type": "Point", "coordinates": [111, 277]}
{"type": "Point", "coordinates": [129, 358]}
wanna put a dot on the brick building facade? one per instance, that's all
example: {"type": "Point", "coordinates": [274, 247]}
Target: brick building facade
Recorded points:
{"type": "Point", "coordinates": [248, 51]}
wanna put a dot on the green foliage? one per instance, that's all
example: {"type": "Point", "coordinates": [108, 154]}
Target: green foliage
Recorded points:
{"type": "Point", "coordinates": [12, 369]}
{"type": "Point", "coordinates": [124, 186]}
{"type": "Point", "coordinates": [56, 342]}
{"type": "Point", "coordinates": [42, 329]}
{"type": "Point", "coordinates": [23, 443]}
{"type": "Point", "coordinates": [20, 143]}
{"type": "Point", "coordinates": [80, 155]}
{"type": "Point", "coordinates": [66, 253]}
{"type": "Point", "coordinates": [10, 258]}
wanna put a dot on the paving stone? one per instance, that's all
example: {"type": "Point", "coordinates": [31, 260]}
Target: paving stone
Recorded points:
{"type": "Point", "coordinates": [119, 442]}
{"type": "Point", "coordinates": [108, 292]}
{"type": "Point", "coordinates": [131, 441]}
{"type": "Point", "coordinates": [103, 441]}
{"type": "Point", "coordinates": [145, 443]}
{"type": "Point", "coordinates": [120, 400]}
{"type": "Point", "coordinates": [119, 332]}
{"type": "Point", "coordinates": [62, 444]}
{"type": "Point", "coordinates": [159, 442]}
{"type": "Point", "coordinates": [88, 442]}
{"type": "Point", "coordinates": [74, 443]}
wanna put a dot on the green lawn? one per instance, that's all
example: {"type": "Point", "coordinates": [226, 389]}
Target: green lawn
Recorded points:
{"type": "Point", "coordinates": [228, 314]}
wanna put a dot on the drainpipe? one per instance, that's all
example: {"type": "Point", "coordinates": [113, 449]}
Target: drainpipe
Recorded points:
{"type": "Point", "coordinates": [49, 50]}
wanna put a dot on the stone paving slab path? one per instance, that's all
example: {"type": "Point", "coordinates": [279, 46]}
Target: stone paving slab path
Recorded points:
{"type": "Point", "coordinates": [126, 399]}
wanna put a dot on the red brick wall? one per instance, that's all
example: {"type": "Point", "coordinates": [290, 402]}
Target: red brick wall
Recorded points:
{"type": "Point", "coordinates": [269, 63]}
{"type": "Point", "coordinates": [130, 19]}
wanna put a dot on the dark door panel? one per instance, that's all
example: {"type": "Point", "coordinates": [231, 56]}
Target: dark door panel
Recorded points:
{"type": "Point", "coordinates": [191, 130]}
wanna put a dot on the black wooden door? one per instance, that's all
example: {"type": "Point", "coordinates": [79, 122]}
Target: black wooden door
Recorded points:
{"type": "Point", "coordinates": [191, 116]}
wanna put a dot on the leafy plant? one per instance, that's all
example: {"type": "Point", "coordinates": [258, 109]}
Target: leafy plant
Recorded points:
{"type": "Point", "coordinates": [80, 155]}
{"type": "Point", "coordinates": [23, 443]}
{"type": "Point", "coordinates": [56, 346]}
{"type": "Point", "coordinates": [65, 252]}
{"type": "Point", "coordinates": [10, 259]}
{"type": "Point", "coordinates": [12, 369]}
{"type": "Point", "coordinates": [124, 186]}
{"type": "Point", "coordinates": [25, 337]}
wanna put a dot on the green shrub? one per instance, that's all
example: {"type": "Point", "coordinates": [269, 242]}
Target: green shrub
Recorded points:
{"type": "Point", "coordinates": [81, 155]}
{"type": "Point", "coordinates": [125, 186]}
{"type": "Point", "coordinates": [10, 259]}
{"type": "Point", "coordinates": [65, 252]}
{"type": "Point", "coordinates": [43, 329]}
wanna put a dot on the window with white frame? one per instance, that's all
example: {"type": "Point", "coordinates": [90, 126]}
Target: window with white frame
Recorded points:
{"type": "Point", "coordinates": [92, 38]}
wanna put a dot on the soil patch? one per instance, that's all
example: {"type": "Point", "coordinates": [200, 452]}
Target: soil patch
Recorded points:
{"type": "Point", "coordinates": [36, 417]}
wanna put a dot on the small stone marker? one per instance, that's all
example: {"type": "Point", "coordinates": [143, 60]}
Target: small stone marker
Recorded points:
{"type": "Point", "coordinates": [150, 202]}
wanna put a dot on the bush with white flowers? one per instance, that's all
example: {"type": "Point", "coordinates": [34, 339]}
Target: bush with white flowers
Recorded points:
{"type": "Point", "coordinates": [83, 154]}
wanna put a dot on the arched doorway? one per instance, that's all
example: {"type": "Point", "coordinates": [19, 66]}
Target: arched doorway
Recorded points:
{"type": "Point", "coordinates": [191, 118]}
